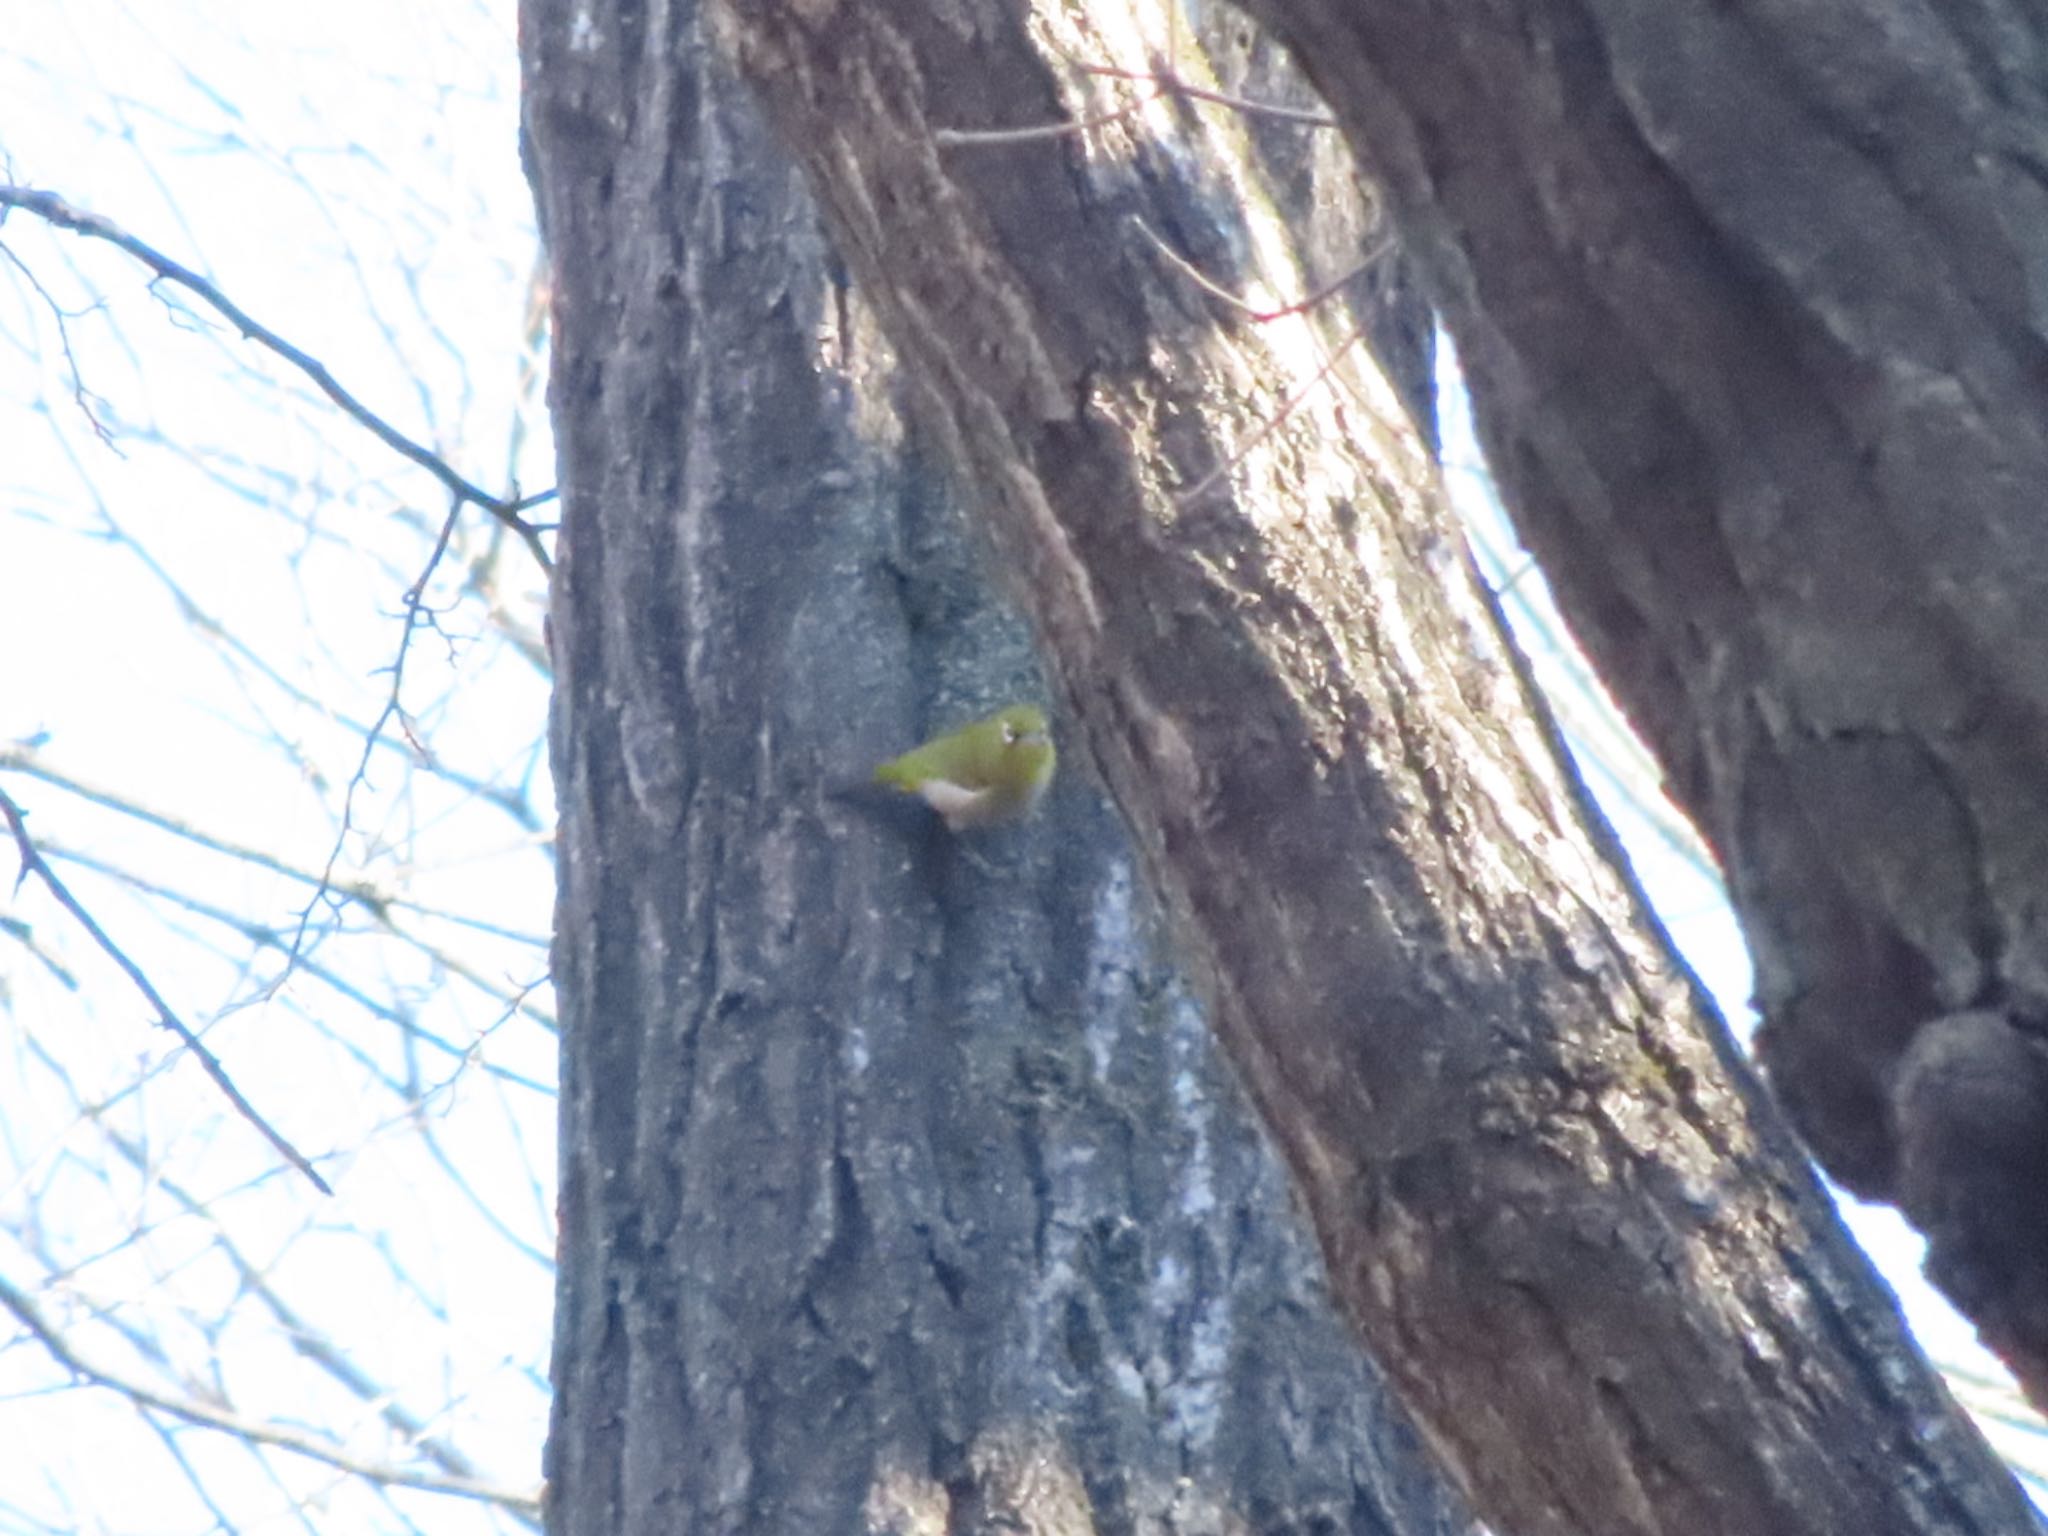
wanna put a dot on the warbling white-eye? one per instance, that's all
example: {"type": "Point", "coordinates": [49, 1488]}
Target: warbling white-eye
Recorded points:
{"type": "Point", "coordinates": [994, 770]}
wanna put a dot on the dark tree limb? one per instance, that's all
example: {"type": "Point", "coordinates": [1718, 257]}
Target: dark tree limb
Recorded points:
{"type": "Point", "coordinates": [54, 210]}
{"type": "Point", "coordinates": [33, 863]}
{"type": "Point", "coordinates": [1750, 301]}
{"type": "Point", "coordinates": [1586, 1251]}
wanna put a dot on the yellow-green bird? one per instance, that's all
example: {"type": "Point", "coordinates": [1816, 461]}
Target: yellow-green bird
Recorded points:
{"type": "Point", "coordinates": [994, 770]}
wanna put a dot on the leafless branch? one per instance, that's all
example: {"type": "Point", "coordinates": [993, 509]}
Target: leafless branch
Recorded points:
{"type": "Point", "coordinates": [981, 138]}
{"type": "Point", "coordinates": [1164, 82]}
{"type": "Point", "coordinates": [414, 607]}
{"type": "Point", "coordinates": [1168, 82]}
{"type": "Point", "coordinates": [1215, 477]}
{"type": "Point", "coordinates": [86, 398]}
{"type": "Point", "coordinates": [523, 1507]}
{"type": "Point", "coordinates": [54, 210]}
{"type": "Point", "coordinates": [306, 1340]}
{"type": "Point", "coordinates": [32, 862]}
{"type": "Point", "coordinates": [515, 999]}
{"type": "Point", "coordinates": [377, 900]}
{"type": "Point", "coordinates": [1214, 289]}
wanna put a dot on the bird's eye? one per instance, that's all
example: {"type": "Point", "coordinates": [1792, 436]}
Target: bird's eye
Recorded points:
{"type": "Point", "coordinates": [1009, 734]}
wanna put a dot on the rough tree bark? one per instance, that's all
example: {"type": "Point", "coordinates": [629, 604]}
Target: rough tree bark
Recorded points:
{"type": "Point", "coordinates": [1754, 302]}
{"type": "Point", "coordinates": [904, 1189]}
{"type": "Point", "coordinates": [1596, 1269]}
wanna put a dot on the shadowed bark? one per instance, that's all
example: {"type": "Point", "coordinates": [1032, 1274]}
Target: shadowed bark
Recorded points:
{"type": "Point", "coordinates": [904, 1189]}
{"type": "Point", "coordinates": [1751, 302]}
{"type": "Point", "coordinates": [1594, 1266]}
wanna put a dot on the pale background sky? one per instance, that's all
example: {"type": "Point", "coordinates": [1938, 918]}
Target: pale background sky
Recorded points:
{"type": "Point", "coordinates": [365, 200]}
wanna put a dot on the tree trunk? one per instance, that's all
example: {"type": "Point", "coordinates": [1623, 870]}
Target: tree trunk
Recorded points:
{"type": "Point", "coordinates": [1594, 1266]}
{"type": "Point", "coordinates": [904, 1189]}
{"type": "Point", "coordinates": [1751, 299]}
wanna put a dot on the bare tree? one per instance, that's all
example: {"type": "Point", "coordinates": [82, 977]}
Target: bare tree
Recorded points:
{"type": "Point", "coordinates": [1592, 1263]}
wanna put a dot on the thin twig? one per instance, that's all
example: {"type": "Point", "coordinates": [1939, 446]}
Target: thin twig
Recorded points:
{"type": "Point", "coordinates": [948, 138]}
{"type": "Point", "coordinates": [413, 604]}
{"type": "Point", "coordinates": [521, 1506]}
{"type": "Point", "coordinates": [271, 940]}
{"type": "Point", "coordinates": [1210, 286]}
{"type": "Point", "coordinates": [374, 899]}
{"type": "Point", "coordinates": [1267, 428]}
{"type": "Point", "coordinates": [53, 209]}
{"type": "Point", "coordinates": [306, 1340]}
{"type": "Point", "coordinates": [32, 862]}
{"type": "Point", "coordinates": [85, 397]}
{"type": "Point", "coordinates": [1170, 83]}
